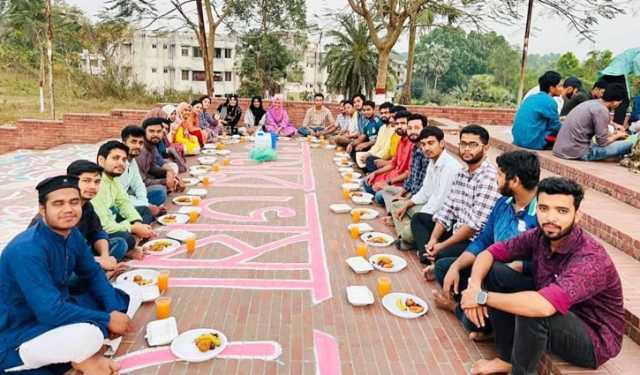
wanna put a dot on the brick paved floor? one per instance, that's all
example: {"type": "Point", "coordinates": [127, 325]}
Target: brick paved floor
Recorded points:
{"type": "Point", "coordinates": [289, 294]}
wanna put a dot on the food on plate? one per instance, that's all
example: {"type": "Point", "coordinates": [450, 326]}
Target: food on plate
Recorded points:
{"type": "Point", "coordinates": [207, 342]}
{"type": "Point", "coordinates": [158, 246]}
{"type": "Point", "coordinates": [357, 194]}
{"type": "Point", "coordinates": [183, 200]}
{"type": "Point", "coordinates": [377, 239]}
{"type": "Point", "coordinates": [138, 279]}
{"type": "Point", "coordinates": [169, 219]}
{"type": "Point", "coordinates": [409, 304]}
{"type": "Point", "coordinates": [384, 262]}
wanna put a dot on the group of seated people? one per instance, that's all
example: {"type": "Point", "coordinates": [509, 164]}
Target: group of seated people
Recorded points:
{"type": "Point", "coordinates": [576, 125]}
{"type": "Point", "coordinates": [504, 247]}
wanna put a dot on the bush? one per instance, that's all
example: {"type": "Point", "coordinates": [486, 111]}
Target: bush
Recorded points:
{"type": "Point", "coordinates": [483, 88]}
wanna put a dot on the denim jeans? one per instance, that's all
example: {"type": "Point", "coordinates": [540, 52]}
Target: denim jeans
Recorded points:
{"type": "Point", "coordinates": [615, 149]}
{"type": "Point", "coordinates": [305, 131]}
{"type": "Point", "coordinates": [145, 213]}
{"type": "Point", "coordinates": [371, 164]}
{"type": "Point", "coordinates": [127, 237]}
{"type": "Point", "coordinates": [157, 194]}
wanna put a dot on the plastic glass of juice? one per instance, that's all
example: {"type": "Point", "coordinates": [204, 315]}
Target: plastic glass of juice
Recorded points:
{"type": "Point", "coordinates": [163, 281]}
{"type": "Point", "coordinates": [355, 232]}
{"type": "Point", "coordinates": [362, 250]}
{"type": "Point", "coordinates": [384, 286]}
{"type": "Point", "coordinates": [163, 307]}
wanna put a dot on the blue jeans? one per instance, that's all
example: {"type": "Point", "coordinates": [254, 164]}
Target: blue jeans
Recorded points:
{"type": "Point", "coordinates": [127, 237]}
{"type": "Point", "coordinates": [615, 149]}
{"type": "Point", "coordinates": [305, 131]}
{"type": "Point", "coordinates": [157, 194]}
{"type": "Point", "coordinates": [145, 213]}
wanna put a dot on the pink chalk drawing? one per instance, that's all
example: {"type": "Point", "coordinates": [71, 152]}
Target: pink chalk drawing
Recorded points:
{"type": "Point", "coordinates": [262, 350]}
{"type": "Point", "coordinates": [327, 355]}
{"type": "Point", "coordinates": [256, 216]}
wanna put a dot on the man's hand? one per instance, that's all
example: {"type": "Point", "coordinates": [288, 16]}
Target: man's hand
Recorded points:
{"type": "Point", "coordinates": [451, 280]}
{"type": "Point", "coordinates": [379, 163]}
{"type": "Point", "coordinates": [107, 263]}
{"type": "Point", "coordinates": [180, 185]}
{"type": "Point", "coordinates": [402, 211]}
{"type": "Point", "coordinates": [155, 210]}
{"type": "Point", "coordinates": [349, 148]}
{"type": "Point", "coordinates": [170, 181]}
{"type": "Point", "coordinates": [476, 313]}
{"type": "Point", "coordinates": [119, 323]}
{"type": "Point", "coordinates": [370, 177]}
{"type": "Point", "coordinates": [433, 247]}
{"type": "Point", "coordinates": [142, 230]}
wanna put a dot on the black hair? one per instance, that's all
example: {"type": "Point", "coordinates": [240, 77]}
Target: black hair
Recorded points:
{"type": "Point", "coordinates": [418, 116]}
{"type": "Point", "coordinates": [318, 95]}
{"type": "Point", "coordinates": [522, 164]}
{"type": "Point", "coordinates": [131, 131]}
{"type": "Point", "coordinates": [388, 105]}
{"type": "Point", "coordinates": [477, 130]}
{"type": "Point", "coordinates": [397, 108]}
{"type": "Point", "coordinates": [548, 80]}
{"type": "Point", "coordinates": [79, 167]}
{"type": "Point", "coordinates": [431, 131]}
{"type": "Point", "coordinates": [615, 92]}
{"type": "Point", "coordinates": [600, 84]}
{"type": "Point", "coordinates": [197, 101]}
{"type": "Point", "coordinates": [108, 146]}
{"type": "Point", "coordinates": [203, 97]}
{"type": "Point", "coordinates": [402, 114]}
{"type": "Point", "coordinates": [364, 98]}
{"type": "Point", "coordinates": [151, 121]}
{"type": "Point", "coordinates": [342, 102]}
{"type": "Point", "coordinates": [564, 186]}
{"type": "Point", "coordinates": [369, 103]}
{"type": "Point", "coordinates": [347, 101]}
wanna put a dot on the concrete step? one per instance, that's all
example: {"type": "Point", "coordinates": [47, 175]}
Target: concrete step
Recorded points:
{"type": "Point", "coordinates": [626, 363]}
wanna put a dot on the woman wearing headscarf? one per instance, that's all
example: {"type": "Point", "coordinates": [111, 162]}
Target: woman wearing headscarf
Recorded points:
{"type": "Point", "coordinates": [166, 148]}
{"type": "Point", "coordinates": [183, 132]}
{"type": "Point", "coordinates": [278, 119]}
{"type": "Point", "coordinates": [195, 128]}
{"type": "Point", "coordinates": [254, 117]}
{"type": "Point", "coordinates": [230, 113]}
{"type": "Point", "coordinates": [206, 122]}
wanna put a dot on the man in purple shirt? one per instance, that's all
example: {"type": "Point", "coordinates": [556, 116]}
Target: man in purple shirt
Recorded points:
{"type": "Point", "coordinates": [575, 307]}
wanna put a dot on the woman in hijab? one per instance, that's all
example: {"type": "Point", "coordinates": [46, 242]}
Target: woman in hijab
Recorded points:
{"type": "Point", "coordinates": [183, 134]}
{"type": "Point", "coordinates": [254, 117]}
{"type": "Point", "coordinates": [230, 113]}
{"type": "Point", "coordinates": [278, 119]}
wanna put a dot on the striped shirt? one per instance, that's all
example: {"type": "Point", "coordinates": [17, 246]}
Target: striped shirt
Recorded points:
{"type": "Point", "coordinates": [471, 199]}
{"type": "Point", "coordinates": [418, 169]}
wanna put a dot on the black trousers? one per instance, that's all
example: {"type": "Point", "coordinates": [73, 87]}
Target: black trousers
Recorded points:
{"type": "Point", "coordinates": [522, 341]}
{"type": "Point", "coordinates": [621, 112]}
{"type": "Point", "coordinates": [371, 164]}
{"type": "Point", "coordinates": [422, 226]}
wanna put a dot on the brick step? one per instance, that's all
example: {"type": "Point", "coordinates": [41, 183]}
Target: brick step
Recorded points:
{"type": "Point", "coordinates": [593, 220]}
{"type": "Point", "coordinates": [606, 177]}
{"type": "Point", "coordinates": [626, 363]}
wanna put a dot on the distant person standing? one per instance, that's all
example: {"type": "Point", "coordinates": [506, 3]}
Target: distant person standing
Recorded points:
{"type": "Point", "coordinates": [618, 71]}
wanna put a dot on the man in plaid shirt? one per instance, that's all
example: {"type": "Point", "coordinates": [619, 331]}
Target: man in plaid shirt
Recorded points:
{"type": "Point", "coordinates": [467, 207]}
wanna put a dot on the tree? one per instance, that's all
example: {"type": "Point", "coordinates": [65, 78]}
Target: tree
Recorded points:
{"type": "Point", "coordinates": [568, 65]}
{"type": "Point", "coordinates": [432, 62]}
{"type": "Point", "coordinates": [595, 62]}
{"type": "Point", "coordinates": [264, 64]}
{"type": "Point", "coordinates": [351, 59]}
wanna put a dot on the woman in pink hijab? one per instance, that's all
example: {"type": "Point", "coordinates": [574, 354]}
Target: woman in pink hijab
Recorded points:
{"type": "Point", "coordinates": [278, 119]}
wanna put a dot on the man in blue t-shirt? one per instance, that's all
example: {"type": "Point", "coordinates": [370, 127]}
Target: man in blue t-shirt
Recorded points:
{"type": "Point", "coordinates": [368, 128]}
{"type": "Point", "coordinates": [514, 213]}
{"type": "Point", "coordinates": [537, 121]}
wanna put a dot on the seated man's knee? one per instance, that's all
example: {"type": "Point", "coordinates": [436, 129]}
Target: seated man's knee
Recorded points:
{"type": "Point", "coordinates": [497, 279]}
{"type": "Point", "coordinates": [118, 247]}
{"type": "Point", "coordinates": [441, 268]}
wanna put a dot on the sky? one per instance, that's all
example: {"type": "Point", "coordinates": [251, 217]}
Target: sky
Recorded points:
{"type": "Point", "coordinates": [549, 34]}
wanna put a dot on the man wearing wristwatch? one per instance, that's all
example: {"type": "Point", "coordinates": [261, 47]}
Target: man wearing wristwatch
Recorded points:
{"type": "Point", "coordinates": [575, 308]}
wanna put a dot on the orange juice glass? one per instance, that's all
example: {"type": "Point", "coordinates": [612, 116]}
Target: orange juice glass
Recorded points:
{"type": "Point", "coordinates": [362, 250]}
{"type": "Point", "coordinates": [193, 216]}
{"type": "Point", "coordinates": [195, 201]}
{"type": "Point", "coordinates": [347, 179]}
{"type": "Point", "coordinates": [384, 286]}
{"type": "Point", "coordinates": [163, 307]}
{"type": "Point", "coordinates": [339, 149]}
{"type": "Point", "coordinates": [220, 146]}
{"type": "Point", "coordinates": [355, 216]}
{"type": "Point", "coordinates": [345, 194]}
{"type": "Point", "coordinates": [191, 245]}
{"type": "Point", "coordinates": [163, 281]}
{"type": "Point", "coordinates": [205, 180]}
{"type": "Point", "coordinates": [226, 162]}
{"type": "Point", "coordinates": [355, 232]}
{"type": "Point", "coordinates": [216, 167]}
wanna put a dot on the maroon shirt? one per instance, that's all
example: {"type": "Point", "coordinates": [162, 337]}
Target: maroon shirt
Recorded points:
{"type": "Point", "coordinates": [580, 277]}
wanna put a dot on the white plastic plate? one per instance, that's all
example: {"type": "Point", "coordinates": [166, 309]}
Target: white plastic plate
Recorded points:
{"type": "Point", "coordinates": [179, 219]}
{"type": "Point", "coordinates": [197, 192]}
{"type": "Point", "coordinates": [161, 332]}
{"type": "Point", "coordinates": [351, 186]}
{"type": "Point", "coordinates": [173, 245]}
{"type": "Point", "coordinates": [368, 236]}
{"type": "Point", "coordinates": [207, 160]}
{"type": "Point", "coordinates": [359, 265]}
{"type": "Point", "coordinates": [364, 227]}
{"type": "Point", "coordinates": [146, 274]}
{"type": "Point", "coordinates": [345, 169]}
{"type": "Point", "coordinates": [190, 181]}
{"type": "Point", "coordinates": [223, 152]}
{"type": "Point", "coordinates": [354, 175]}
{"type": "Point", "coordinates": [186, 210]}
{"type": "Point", "coordinates": [184, 346]}
{"type": "Point", "coordinates": [210, 146]}
{"type": "Point", "coordinates": [366, 213]}
{"type": "Point", "coordinates": [340, 208]}
{"type": "Point", "coordinates": [182, 200]}
{"type": "Point", "coordinates": [390, 303]}
{"type": "Point", "coordinates": [208, 150]}
{"type": "Point", "coordinates": [398, 263]}
{"type": "Point", "coordinates": [180, 234]}
{"type": "Point", "coordinates": [359, 295]}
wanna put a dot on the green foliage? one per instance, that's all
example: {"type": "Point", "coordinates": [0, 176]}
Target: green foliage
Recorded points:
{"type": "Point", "coordinates": [483, 88]}
{"type": "Point", "coordinates": [568, 65]}
{"type": "Point", "coordinates": [351, 59]}
{"type": "Point", "coordinates": [264, 64]}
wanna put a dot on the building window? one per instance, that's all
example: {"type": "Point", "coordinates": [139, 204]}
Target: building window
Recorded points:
{"type": "Point", "coordinates": [164, 46]}
{"type": "Point", "coordinates": [154, 46]}
{"type": "Point", "coordinates": [185, 75]}
{"type": "Point", "coordinates": [198, 75]}
{"type": "Point", "coordinates": [227, 53]}
{"type": "Point", "coordinates": [217, 76]}
{"type": "Point", "coordinates": [197, 52]}
{"type": "Point", "coordinates": [185, 51]}
{"type": "Point", "coordinates": [166, 70]}
{"type": "Point", "coordinates": [218, 53]}
{"type": "Point", "coordinates": [227, 76]}
{"type": "Point", "coordinates": [153, 70]}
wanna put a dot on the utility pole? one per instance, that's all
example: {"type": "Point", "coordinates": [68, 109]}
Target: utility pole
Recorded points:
{"type": "Point", "coordinates": [525, 50]}
{"type": "Point", "coordinates": [208, 74]}
{"type": "Point", "coordinates": [48, 11]}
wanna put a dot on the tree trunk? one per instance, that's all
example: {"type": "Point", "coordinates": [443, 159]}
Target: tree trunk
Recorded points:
{"type": "Point", "coordinates": [48, 10]}
{"type": "Point", "coordinates": [383, 69]}
{"type": "Point", "coordinates": [202, 38]}
{"type": "Point", "coordinates": [213, 26]}
{"type": "Point", "coordinates": [405, 98]}
{"type": "Point", "coordinates": [42, 79]}
{"type": "Point", "coordinates": [525, 49]}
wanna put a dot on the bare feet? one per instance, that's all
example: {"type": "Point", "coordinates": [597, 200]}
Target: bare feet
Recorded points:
{"type": "Point", "coordinates": [388, 221]}
{"type": "Point", "coordinates": [429, 273]}
{"type": "Point", "coordinates": [443, 301]}
{"type": "Point", "coordinates": [97, 365]}
{"type": "Point", "coordinates": [137, 253]}
{"type": "Point", "coordinates": [480, 336]}
{"type": "Point", "coordinates": [494, 366]}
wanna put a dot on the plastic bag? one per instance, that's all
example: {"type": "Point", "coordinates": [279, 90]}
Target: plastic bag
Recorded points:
{"type": "Point", "coordinates": [262, 154]}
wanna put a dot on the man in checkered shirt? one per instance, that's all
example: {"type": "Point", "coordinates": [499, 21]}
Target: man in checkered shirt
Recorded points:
{"type": "Point", "coordinates": [473, 194]}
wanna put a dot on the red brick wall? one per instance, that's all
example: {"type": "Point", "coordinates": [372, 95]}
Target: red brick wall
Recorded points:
{"type": "Point", "coordinates": [94, 127]}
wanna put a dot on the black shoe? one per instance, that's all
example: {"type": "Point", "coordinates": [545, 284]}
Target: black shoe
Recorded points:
{"type": "Point", "coordinates": [423, 258]}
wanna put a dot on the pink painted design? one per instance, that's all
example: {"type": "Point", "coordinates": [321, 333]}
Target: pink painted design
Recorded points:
{"type": "Point", "coordinates": [255, 216]}
{"type": "Point", "coordinates": [264, 350]}
{"type": "Point", "coordinates": [327, 354]}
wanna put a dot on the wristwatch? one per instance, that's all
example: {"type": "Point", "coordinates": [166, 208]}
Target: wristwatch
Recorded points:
{"type": "Point", "coordinates": [481, 297]}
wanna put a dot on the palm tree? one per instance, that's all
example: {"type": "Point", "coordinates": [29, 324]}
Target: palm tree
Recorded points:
{"type": "Point", "coordinates": [351, 59]}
